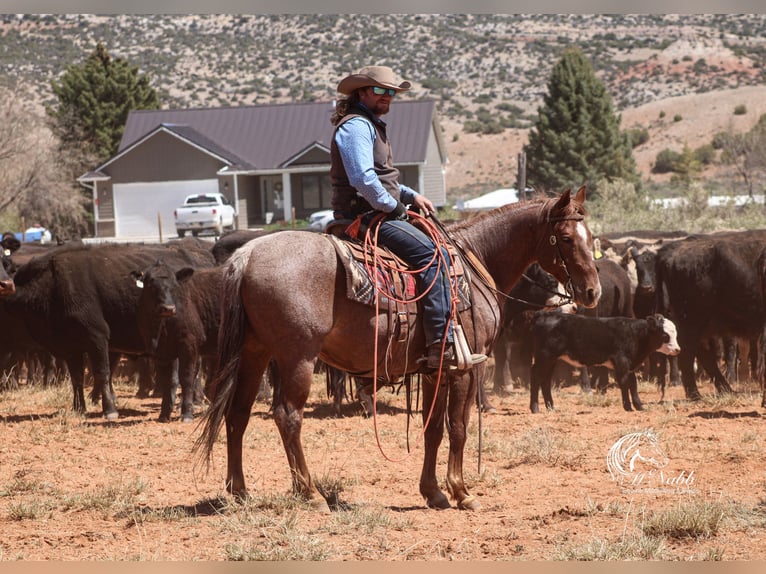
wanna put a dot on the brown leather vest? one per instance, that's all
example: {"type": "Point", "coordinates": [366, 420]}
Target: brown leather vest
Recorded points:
{"type": "Point", "coordinates": [345, 198]}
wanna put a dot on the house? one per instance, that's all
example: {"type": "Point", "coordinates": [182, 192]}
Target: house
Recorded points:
{"type": "Point", "coordinates": [271, 161]}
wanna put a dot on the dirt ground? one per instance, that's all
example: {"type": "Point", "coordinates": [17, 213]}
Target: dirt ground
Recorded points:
{"type": "Point", "coordinates": [80, 488]}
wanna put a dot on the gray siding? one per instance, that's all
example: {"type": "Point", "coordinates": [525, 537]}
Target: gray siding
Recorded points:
{"type": "Point", "coordinates": [433, 176]}
{"type": "Point", "coordinates": [163, 158]}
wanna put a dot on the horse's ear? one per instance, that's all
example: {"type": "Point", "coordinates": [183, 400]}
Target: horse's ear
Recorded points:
{"type": "Point", "coordinates": [562, 201]}
{"type": "Point", "coordinates": [580, 195]}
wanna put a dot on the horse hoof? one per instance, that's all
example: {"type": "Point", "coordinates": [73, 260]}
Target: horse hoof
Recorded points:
{"type": "Point", "coordinates": [439, 503]}
{"type": "Point", "coordinates": [112, 416]}
{"type": "Point", "coordinates": [469, 503]}
{"type": "Point", "coordinates": [188, 419]}
{"type": "Point", "coordinates": [319, 505]}
{"type": "Point", "coordinates": [489, 409]}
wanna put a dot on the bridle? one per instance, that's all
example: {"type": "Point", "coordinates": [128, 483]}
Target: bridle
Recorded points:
{"type": "Point", "coordinates": [553, 240]}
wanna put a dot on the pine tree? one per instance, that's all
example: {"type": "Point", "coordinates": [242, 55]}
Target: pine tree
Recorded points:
{"type": "Point", "coordinates": [94, 99]}
{"type": "Point", "coordinates": [577, 139]}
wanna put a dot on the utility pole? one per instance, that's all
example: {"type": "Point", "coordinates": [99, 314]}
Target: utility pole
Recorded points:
{"type": "Point", "coordinates": [521, 183]}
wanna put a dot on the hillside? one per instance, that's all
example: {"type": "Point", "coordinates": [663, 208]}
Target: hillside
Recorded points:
{"type": "Point", "coordinates": [472, 166]}
{"type": "Point", "coordinates": [476, 66]}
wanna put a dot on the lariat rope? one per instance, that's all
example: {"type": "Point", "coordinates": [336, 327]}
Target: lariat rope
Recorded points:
{"type": "Point", "coordinates": [372, 261]}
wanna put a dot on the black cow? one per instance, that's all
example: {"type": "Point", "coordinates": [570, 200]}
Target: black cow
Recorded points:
{"type": "Point", "coordinates": [7, 286]}
{"type": "Point", "coordinates": [230, 241]}
{"type": "Point", "coordinates": [179, 316]}
{"type": "Point", "coordinates": [513, 356]}
{"type": "Point", "coordinates": [616, 301]}
{"type": "Point", "coordinates": [708, 285]}
{"type": "Point", "coordinates": [620, 343]}
{"type": "Point", "coordinates": [640, 260]}
{"type": "Point", "coordinates": [760, 269]}
{"type": "Point", "coordinates": [77, 301]}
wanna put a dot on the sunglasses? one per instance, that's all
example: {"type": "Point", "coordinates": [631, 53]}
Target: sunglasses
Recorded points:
{"type": "Point", "coordinates": [378, 91]}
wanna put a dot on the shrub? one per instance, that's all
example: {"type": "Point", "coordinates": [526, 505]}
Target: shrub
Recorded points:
{"type": "Point", "coordinates": [705, 154]}
{"type": "Point", "coordinates": [719, 140]}
{"type": "Point", "coordinates": [740, 110]}
{"type": "Point", "coordinates": [637, 136]}
{"type": "Point", "coordinates": [677, 118]}
{"type": "Point", "coordinates": [666, 161]}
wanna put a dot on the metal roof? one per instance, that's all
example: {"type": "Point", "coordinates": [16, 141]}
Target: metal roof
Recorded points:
{"type": "Point", "coordinates": [266, 137]}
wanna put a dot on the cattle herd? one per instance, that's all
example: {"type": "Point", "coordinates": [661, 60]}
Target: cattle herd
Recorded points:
{"type": "Point", "coordinates": [673, 306]}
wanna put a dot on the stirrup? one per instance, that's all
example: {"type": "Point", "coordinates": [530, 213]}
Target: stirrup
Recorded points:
{"type": "Point", "coordinates": [465, 358]}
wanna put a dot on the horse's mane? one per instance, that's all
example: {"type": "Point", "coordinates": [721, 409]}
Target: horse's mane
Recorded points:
{"type": "Point", "coordinates": [543, 203]}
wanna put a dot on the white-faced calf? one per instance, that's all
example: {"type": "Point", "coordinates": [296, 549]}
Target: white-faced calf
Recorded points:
{"type": "Point", "coordinates": [620, 343]}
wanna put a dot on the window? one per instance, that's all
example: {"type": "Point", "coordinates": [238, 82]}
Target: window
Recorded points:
{"type": "Point", "coordinates": [316, 191]}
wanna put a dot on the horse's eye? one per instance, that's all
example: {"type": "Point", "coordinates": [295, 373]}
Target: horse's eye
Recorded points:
{"type": "Point", "coordinates": [566, 239]}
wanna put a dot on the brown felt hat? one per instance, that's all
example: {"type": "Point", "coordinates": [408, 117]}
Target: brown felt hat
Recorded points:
{"type": "Point", "coordinates": [382, 76]}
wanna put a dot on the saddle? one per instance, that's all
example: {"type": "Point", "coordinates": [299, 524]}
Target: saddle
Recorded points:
{"type": "Point", "coordinates": [361, 286]}
{"type": "Point", "coordinates": [395, 290]}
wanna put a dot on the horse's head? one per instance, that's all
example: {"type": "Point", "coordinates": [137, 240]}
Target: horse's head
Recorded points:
{"type": "Point", "coordinates": [567, 250]}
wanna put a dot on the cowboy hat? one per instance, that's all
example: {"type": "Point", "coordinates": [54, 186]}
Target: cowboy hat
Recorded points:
{"type": "Point", "coordinates": [382, 76]}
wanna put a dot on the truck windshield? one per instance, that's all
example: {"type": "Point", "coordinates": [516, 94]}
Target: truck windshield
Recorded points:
{"type": "Point", "coordinates": [200, 199]}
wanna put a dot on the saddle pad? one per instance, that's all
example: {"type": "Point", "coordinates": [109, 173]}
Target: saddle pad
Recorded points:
{"type": "Point", "coordinates": [361, 288]}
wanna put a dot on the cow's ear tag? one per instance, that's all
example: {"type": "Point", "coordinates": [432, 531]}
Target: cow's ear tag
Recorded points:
{"type": "Point", "coordinates": [7, 252]}
{"type": "Point", "coordinates": [553, 240]}
{"type": "Point", "coordinates": [139, 284]}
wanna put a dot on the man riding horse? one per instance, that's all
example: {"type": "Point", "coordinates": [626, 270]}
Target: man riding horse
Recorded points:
{"type": "Point", "coordinates": [366, 187]}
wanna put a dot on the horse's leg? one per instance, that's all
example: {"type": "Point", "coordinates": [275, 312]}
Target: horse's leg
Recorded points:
{"type": "Point", "coordinates": [251, 368]}
{"type": "Point", "coordinates": [296, 378]}
{"type": "Point", "coordinates": [462, 391]}
{"type": "Point", "coordinates": [429, 487]}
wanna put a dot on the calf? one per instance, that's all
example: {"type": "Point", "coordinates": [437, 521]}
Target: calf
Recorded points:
{"type": "Point", "coordinates": [616, 301]}
{"type": "Point", "coordinates": [621, 343]}
{"type": "Point", "coordinates": [179, 317]}
{"type": "Point", "coordinates": [537, 289]}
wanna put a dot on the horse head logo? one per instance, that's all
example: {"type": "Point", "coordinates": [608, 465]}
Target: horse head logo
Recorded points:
{"type": "Point", "coordinates": [634, 453]}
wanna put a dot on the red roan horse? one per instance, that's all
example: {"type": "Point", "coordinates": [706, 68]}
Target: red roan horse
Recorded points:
{"type": "Point", "coordinates": [284, 297]}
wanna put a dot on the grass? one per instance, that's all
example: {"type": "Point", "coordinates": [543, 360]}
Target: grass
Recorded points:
{"type": "Point", "coordinates": [689, 519]}
{"type": "Point", "coordinates": [632, 547]}
{"type": "Point", "coordinates": [536, 446]}
{"type": "Point", "coordinates": [652, 534]}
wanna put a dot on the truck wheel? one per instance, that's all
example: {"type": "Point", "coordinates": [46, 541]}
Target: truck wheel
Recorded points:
{"type": "Point", "coordinates": [195, 233]}
{"type": "Point", "coordinates": [181, 233]}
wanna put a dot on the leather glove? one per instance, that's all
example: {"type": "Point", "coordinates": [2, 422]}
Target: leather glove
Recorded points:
{"type": "Point", "coordinates": [399, 213]}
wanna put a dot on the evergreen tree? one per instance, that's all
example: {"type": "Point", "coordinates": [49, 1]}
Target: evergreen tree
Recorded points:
{"type": "Point", "coordinates": [94, 99]}
{"type": "Point", "coordinates": [577, 139]}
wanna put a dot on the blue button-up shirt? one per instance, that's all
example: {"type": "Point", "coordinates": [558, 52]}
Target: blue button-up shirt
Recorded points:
{"type": "Point", "coordinates": [355, 139]}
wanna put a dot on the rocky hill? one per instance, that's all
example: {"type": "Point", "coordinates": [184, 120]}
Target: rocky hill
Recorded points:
{"type": "Point", "coordinates": [484, 70]}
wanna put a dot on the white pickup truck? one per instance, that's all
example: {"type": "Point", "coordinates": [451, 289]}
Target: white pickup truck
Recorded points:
{"type": "Point", "coordinates": [204, 211]}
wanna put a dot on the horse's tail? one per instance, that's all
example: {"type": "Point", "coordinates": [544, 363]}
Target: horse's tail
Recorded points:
{"type": "Point", "coordinates": [231, 335]}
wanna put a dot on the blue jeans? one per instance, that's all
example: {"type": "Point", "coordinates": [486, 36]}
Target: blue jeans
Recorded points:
{"type": "Point", "coordinates": [417, 249]}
